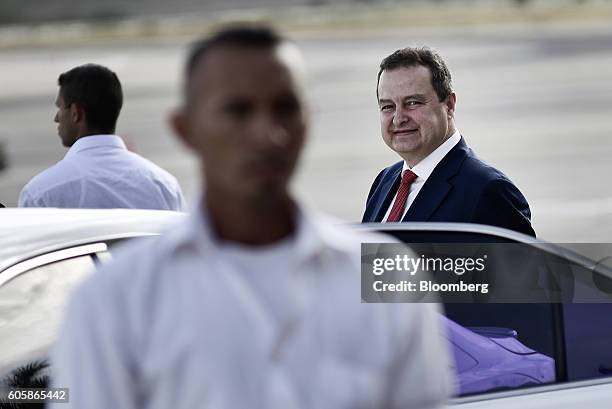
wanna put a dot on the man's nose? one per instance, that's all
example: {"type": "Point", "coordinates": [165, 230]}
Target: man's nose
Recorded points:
{"type": "Point", "coordinates": [400, 117]}
{"type": "Point", "coordinates": [270, 132]}
{"type": "Point", "coordinates": [55, 118]}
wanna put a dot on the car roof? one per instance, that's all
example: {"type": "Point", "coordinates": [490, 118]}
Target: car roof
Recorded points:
{"type": "Point", "coordinates": [557, 249]}
{"type": "Point", "coordinates": [28, 232]}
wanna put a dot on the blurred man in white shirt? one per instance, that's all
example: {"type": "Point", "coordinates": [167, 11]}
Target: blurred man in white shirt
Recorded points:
{"type": "Point", "coordinates": [98, 171]}
{"type": "Point", "coordinates": [254, 301]}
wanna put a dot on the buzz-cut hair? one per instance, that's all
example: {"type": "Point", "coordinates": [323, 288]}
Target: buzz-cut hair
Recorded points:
{"type": "Point", "coordinates": [247, 36]}
{"type": "Point", "coordinates": [242, 35]}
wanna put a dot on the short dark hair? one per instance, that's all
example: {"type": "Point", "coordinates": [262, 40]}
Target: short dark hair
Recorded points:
{"type": "Point", "coordinates": [412, 56]}
{"type": "Point", "coordinates": [97, 90]}
{"type": "Point", "coordinates": [241, 35]}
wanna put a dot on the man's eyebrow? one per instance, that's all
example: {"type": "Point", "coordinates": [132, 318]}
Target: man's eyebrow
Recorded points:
{"type": "Point", "coordinates": [415, 96]}
{"type": "Point", "coordinates": [420, 97]}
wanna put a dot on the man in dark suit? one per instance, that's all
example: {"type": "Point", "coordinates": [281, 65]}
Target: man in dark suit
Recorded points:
{"type": "Point", "coordinates": [440, 178]}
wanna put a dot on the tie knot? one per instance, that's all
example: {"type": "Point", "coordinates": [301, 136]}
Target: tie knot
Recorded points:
{"type": "Point", "coordinates": [408, 177]}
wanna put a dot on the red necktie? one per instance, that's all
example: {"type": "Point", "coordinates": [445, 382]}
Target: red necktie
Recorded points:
{"type": "Point", "coordinates": [399, 205]}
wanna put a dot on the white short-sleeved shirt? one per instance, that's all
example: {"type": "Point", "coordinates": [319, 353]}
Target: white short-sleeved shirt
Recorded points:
{"type": "Point", "coordinates": [186, 321]}
{"type": "Point", "coordinates": [99, 172]}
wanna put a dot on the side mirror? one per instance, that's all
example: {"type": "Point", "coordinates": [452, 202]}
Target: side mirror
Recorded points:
{"type": "Point", "coordinates": [602, 275]}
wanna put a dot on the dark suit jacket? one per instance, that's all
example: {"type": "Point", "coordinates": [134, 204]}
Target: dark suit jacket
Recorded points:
{"type": "Point", "coordinates": [462, 188]}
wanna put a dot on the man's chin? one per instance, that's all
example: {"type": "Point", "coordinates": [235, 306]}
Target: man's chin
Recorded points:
{"type": "Point", "coordinates": [406, 148]}
{"type": "Point", "coordinates": [66, 142]}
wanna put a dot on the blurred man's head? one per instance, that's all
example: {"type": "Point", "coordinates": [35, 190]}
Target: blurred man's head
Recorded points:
{"type": "Point", "coordinates": [416, 102]}
{"type": "Point", "coordinates": [243, 112]}
{"type": "Point", "coordinates": [89, 101]}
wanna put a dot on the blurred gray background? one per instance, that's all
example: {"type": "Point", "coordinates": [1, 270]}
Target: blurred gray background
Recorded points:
{"type": "Point", "coordinates": [533, 79]}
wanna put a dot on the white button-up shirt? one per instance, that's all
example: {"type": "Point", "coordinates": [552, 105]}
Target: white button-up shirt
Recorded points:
{"type": "Point", "coordinates": [424, 169]}
{"type": "Point", "coordinates": [186, 321]}
{"type": "Point", "coordinates": [99, 172]}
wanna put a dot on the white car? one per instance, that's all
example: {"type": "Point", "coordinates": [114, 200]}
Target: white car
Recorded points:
{"type": "Point", "coordinates": [45, 253]}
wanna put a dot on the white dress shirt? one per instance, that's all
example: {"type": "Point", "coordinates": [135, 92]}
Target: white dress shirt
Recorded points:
{"type": "Point", "coordinates": [185, 321]}
{"type": "Point", "coordinates": [424, 169]}
{"type": "Point", "coordinates": [99, 172]}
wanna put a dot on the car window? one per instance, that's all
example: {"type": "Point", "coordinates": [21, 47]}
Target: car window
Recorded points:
{"type": "Point", "coordinates": [31, 308]}
{"type": "Point", "coordinates": [504, 346]}
{"type": "Point", "coordinates": [513, 346]}
{"type": "Point", "coordinates": [588, 340]}
{"type": "Point", "coordinates": [33, 295]}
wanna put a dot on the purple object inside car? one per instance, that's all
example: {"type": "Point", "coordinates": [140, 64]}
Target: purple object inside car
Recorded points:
{"type": "Point", "coordinates": [492, 358]}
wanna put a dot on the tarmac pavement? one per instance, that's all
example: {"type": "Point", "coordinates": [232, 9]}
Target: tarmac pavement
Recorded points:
{"type": "Point", "coordinates": [536, 102]}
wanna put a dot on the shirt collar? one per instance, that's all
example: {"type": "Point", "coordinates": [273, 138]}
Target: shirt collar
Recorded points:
{"type": "Point", "coordinates": [312, 238]}
{"type": "Point", "coordinates": [95, 141]}
{"type": "Point", "coordinates": [426, 166]}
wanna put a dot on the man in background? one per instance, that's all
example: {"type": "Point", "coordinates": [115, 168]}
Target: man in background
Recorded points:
{"type": "Point", "coordinates": [98, 171]}
{"type": "Point", "coordinates": [439, 178]}
{"type": "Point", "coordinates": [254, 301]}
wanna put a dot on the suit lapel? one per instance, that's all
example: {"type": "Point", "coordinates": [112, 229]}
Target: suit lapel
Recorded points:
{"type": "Point", "coordinates": [437, 186]}
{"type": "Point", "coordinates": [388, 188]}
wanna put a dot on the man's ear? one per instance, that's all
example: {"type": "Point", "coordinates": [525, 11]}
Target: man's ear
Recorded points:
{"type": "Point", "coordinates": [450, 103]}
{"type": "Point", "coordinates": [77, 113]}
{"type": "Point", "coordinates": [178, 121]}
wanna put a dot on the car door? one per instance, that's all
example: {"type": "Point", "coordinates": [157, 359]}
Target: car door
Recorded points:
{"type": "Point", "coordinates": [574, 328]}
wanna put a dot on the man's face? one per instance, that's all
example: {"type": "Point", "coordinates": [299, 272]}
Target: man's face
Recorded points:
{"type": "Point", "coordinates": [246, 121]}
{"type": "Point", "coordinates": [66, 127]}
{"type": "Point", "coordinates": [413, 121]}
